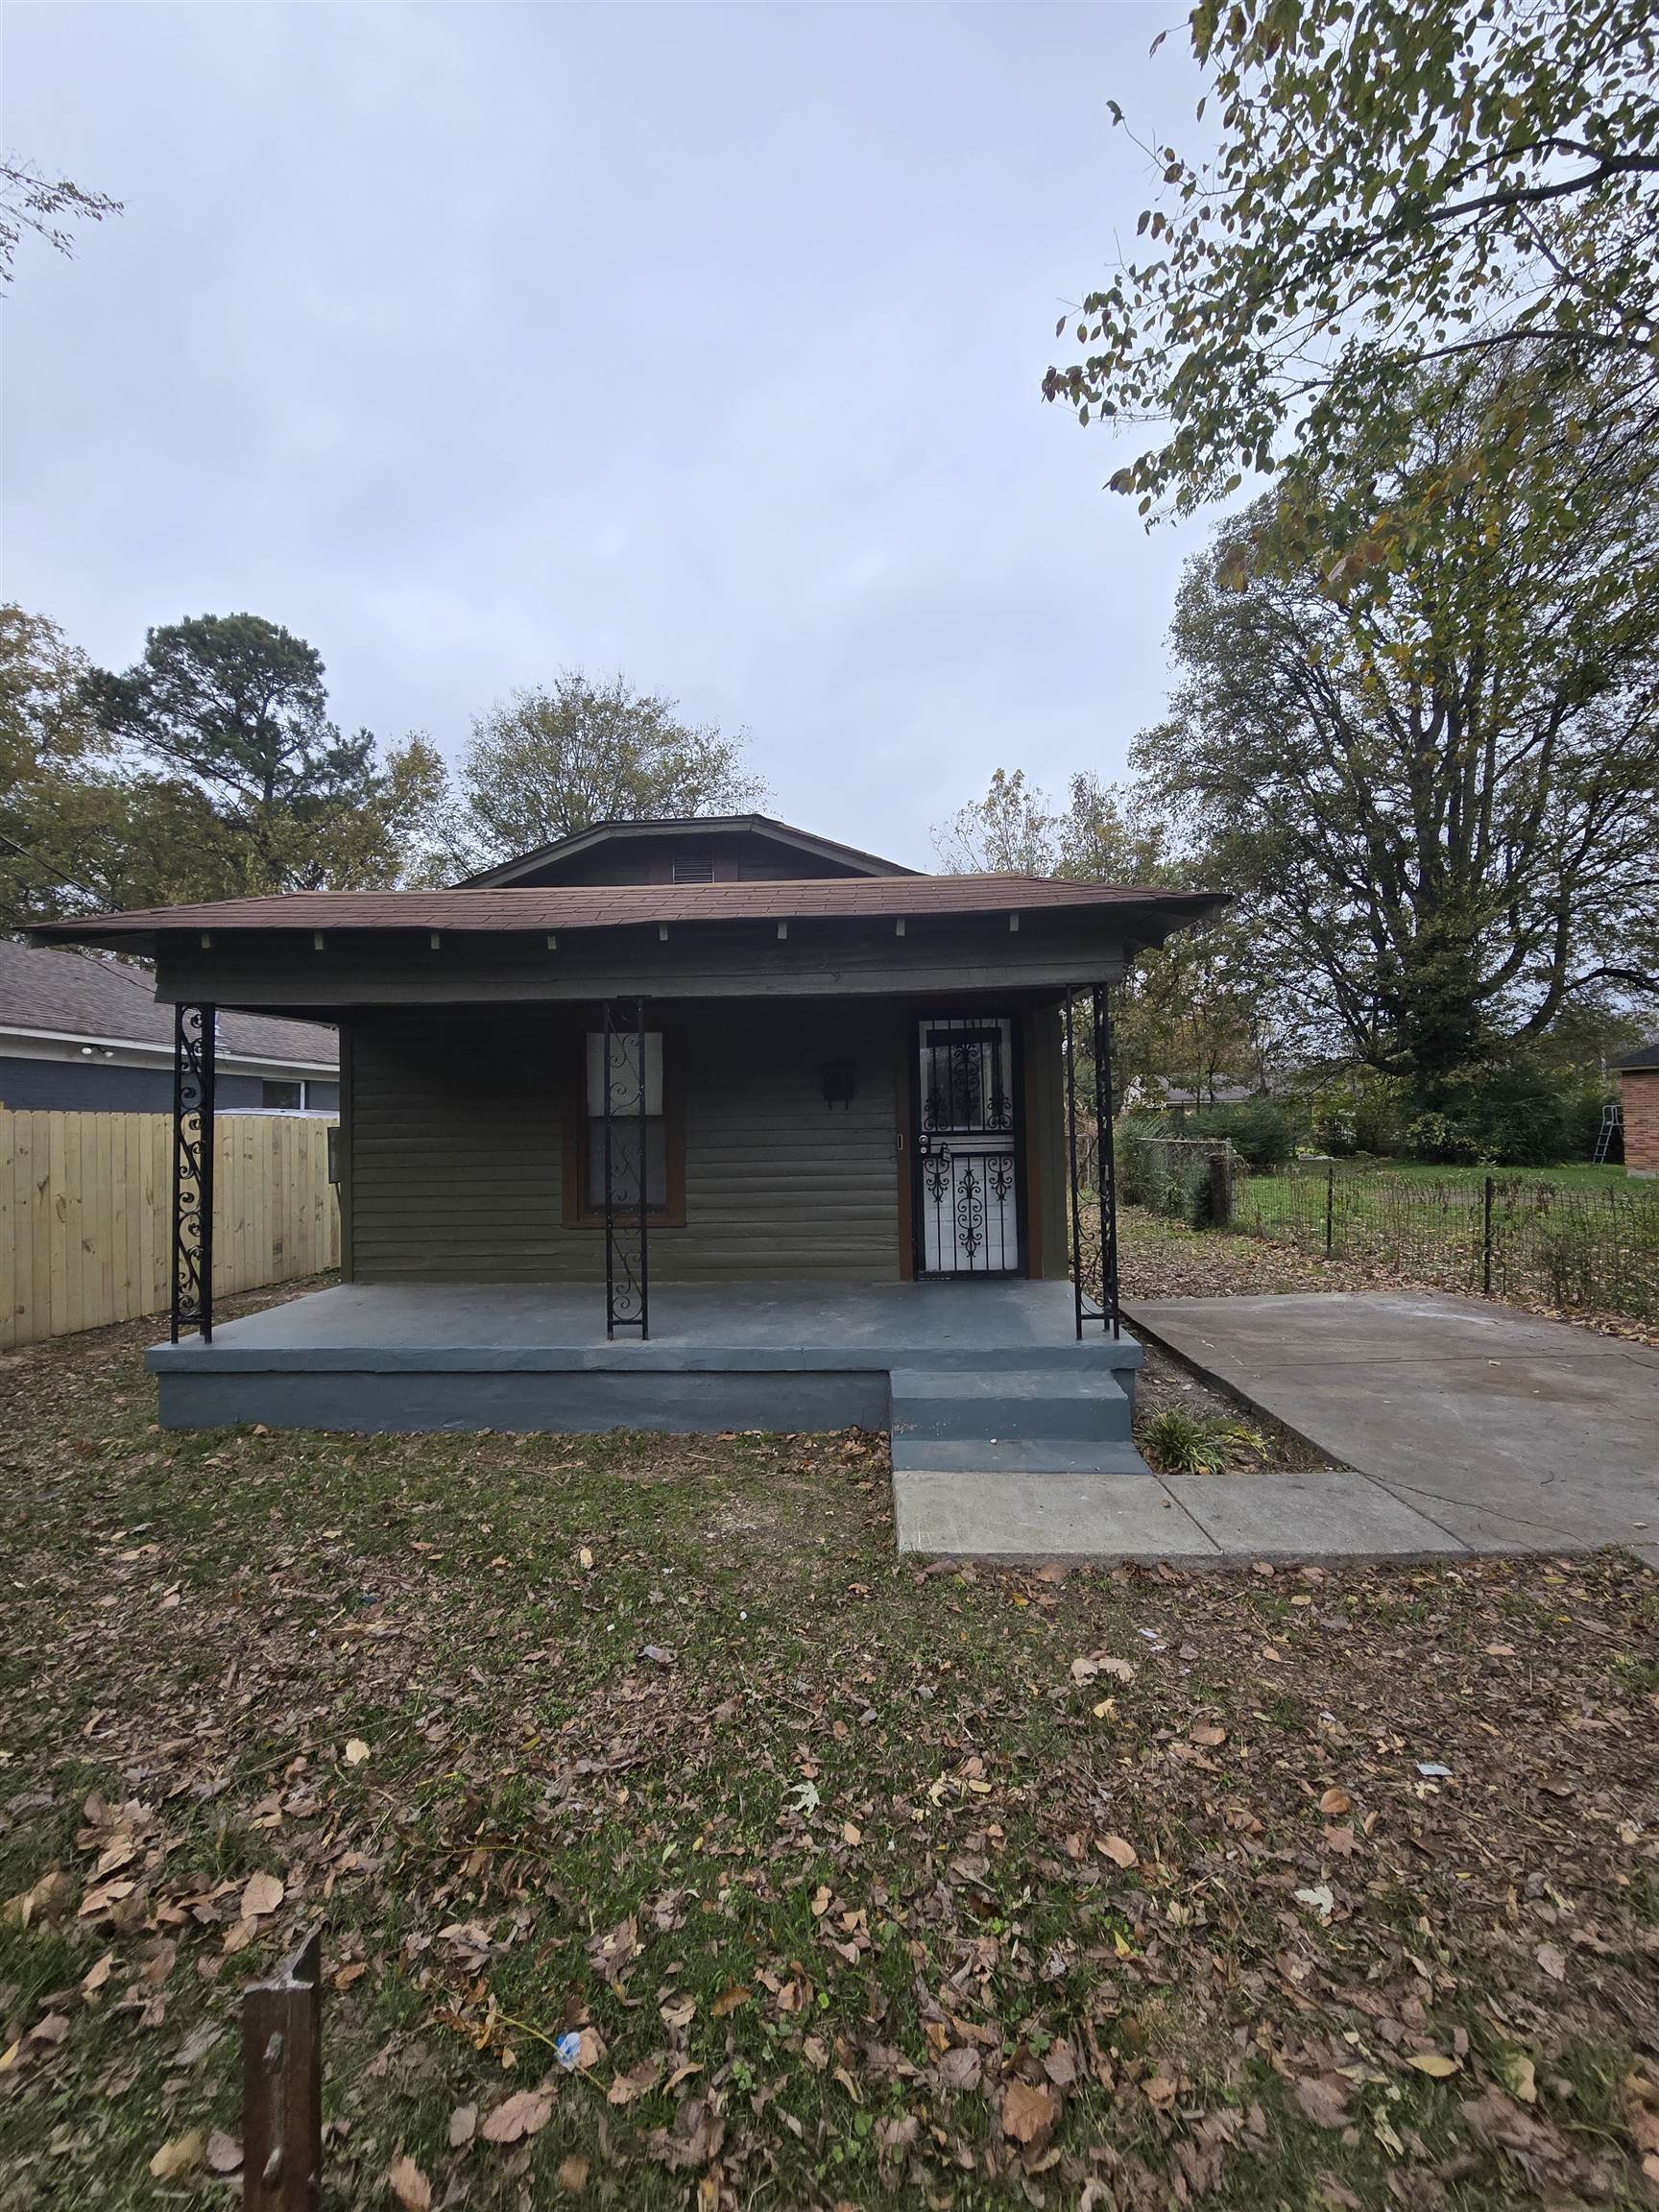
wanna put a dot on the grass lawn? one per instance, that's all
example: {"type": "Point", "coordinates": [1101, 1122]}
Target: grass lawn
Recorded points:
{"type": "Point", "coordinates": [855, 1883]}
{"type": "Point", "coordinates": [1584, 1248]}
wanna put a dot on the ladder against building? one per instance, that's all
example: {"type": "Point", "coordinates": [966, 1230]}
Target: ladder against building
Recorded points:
{"type": "Point", "coordinates": [1612, 1127]}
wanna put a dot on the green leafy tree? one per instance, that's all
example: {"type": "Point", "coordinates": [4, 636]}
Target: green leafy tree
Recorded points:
{"type": "Point", "coordinates": [1393, 186]}
{"type": "Point", "coordinates": [1098, 836]}
{"type": "Point", "coordinates": [225, 717]}
{"type": "Point", "coordinates": [55, 762]}
{"type": "Point", "coordinates": [547, 763]}
{"type": "Point", "coordinates": [1194, 1015]}
{"type": "Point", "coordinates": [1440, 797]}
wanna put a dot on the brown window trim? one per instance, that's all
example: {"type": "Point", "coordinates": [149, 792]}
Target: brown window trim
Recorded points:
{"type": "Point", "coordinates": [575, 1212]}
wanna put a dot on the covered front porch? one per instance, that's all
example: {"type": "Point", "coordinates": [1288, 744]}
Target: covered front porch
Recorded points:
{"type": "Point", "coordinates": [973, 1376]}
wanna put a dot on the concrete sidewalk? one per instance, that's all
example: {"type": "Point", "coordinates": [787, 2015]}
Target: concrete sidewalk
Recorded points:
{"type": "Point", "coordinates": [1468, 1428]}
{"type": "Point", "coordinates": [1186, 1519]}
{"type": "Point", "coordinates": [1508, 1432]}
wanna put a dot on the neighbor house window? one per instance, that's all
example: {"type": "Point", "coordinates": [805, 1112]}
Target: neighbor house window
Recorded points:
{"type": "Point", "coordinates": [625, 1124]}
{"type": "Point", "coordinates": [281, 1097]}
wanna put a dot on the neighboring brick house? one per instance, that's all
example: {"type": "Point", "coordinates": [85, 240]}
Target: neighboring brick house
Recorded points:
{"type": "Point", "coordinates": [85, 1033]}
{"type": "Point", "coordinates": [1639, 1082]}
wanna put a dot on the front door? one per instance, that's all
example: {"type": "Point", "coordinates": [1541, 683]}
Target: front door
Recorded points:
{"type": "Point", "coordinates": [967, 1179]}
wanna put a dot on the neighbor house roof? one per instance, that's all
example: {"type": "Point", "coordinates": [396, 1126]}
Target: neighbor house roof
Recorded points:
{"type": "Point", "coordinates": [613, 907]}
{"type": "Point", "coordinates": [1645, 1056]}
{"type": "Point", "coordinates": [685, 829]}
{"type": "Point", "coordinates": [64, 995]}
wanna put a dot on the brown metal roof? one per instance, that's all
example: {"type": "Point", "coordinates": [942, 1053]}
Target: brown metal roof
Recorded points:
{"type": "Point", "coordinates": [611, 906]}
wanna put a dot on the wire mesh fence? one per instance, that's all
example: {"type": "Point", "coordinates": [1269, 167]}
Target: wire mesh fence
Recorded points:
{"type": "Point", "coordinates": [1506, 1237]}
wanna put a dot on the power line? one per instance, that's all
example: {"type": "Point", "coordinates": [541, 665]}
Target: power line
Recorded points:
{"type": "Point", "coordinates": [52, 874]}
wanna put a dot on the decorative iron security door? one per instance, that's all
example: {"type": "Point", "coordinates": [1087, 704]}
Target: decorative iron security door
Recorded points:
{"type": "Point", "coordinates": [967, 1179]}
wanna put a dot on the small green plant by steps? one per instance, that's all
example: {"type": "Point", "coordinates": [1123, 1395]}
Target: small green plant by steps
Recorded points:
{"type": "Point", "coordinates": [1177, 1442]}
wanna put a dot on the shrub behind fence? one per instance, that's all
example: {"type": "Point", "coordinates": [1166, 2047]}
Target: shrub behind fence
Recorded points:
{"type": "Point", "coordinates": [85, 1214]}
{"type": "Point", "coordinates": [1507, 1236]}
{"type": "Point", "coordinates": [1184, 1178]}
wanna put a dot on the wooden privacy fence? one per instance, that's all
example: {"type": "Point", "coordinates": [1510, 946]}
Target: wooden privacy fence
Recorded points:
{"type": "Point", "coordinates": [85, 1214]}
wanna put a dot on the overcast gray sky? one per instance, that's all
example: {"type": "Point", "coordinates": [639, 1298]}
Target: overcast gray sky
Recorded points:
{"type": "Point", "coordinates": [701, 342]}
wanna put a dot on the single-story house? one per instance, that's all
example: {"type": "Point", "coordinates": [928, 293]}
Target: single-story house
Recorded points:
{"type": "Point", "coordinates": [681, 1126]}
{"type": "Point", "coordinates": [1638, 1076]}
{"type": "Point", "coordinates": [83, 1033]}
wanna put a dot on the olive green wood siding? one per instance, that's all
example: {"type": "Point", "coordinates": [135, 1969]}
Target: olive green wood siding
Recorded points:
{"type": "Point", "coordinates": [1046, 1138]}
{"type": "Point", "coordinates": [457, 1146]}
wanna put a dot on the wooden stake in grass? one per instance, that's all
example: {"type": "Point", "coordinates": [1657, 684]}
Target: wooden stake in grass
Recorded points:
{"type": "Point", "coordinates": [282, 2085]}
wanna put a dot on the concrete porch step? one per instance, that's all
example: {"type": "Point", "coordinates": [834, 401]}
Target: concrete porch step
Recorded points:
{"type": "Point", "coordinates": [1016, 1456]}
{"type": "Point", "coordinates": [1008, 1405]}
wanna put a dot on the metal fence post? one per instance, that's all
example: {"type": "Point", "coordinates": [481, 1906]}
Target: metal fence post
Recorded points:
{"type": "Point", "coordinates": [1329, 1208]}
{"type": "Point", "coordinates": [283, 2086]}
{"type": "Point", "coordinates": [1487, 1241]}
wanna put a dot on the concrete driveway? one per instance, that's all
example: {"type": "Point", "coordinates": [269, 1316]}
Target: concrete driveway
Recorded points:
{"type": "Point", "coordinates": [1509, 1434]}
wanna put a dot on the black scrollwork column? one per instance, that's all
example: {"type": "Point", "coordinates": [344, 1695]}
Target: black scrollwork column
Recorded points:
{"type": "Point", "coordinates": [1105, 1161]}
{"type": "Point", "coordinates": [193, 1043]}
{"type": "Point", "coordinates": [1072, 1158]}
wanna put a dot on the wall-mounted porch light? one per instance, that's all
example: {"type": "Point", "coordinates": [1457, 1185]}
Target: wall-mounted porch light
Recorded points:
{"type": "Point", "coordinates": [840, 1082]}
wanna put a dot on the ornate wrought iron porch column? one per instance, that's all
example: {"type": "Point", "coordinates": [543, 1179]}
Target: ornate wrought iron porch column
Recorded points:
{"type": "Point", "coordinates": [1076, 1215]}
{"type": "Point", "coordinates": [193, 1057]}
{"type": "Point", "coordinates": [1105, 1159]}
{"type": "Point", "coordinates": [627, 1252]}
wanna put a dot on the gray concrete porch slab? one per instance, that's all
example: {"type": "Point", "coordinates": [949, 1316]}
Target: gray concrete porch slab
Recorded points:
{"type": "Point", "coordinates": [755, 1354]}
{"type": "Point", "coordinates": [403, 1327]}
{"type": "Point", "coordinates": [1507, 1431]}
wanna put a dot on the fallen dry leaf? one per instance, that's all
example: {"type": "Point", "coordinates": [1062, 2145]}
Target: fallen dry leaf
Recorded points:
{"type": "Point", "coordinates": [1029, 2110]}
{"type": "Point", "coordinates": [408, 2184]}
{"type": "Point", "coordinates": [356, 1751]}
{"type": "Point", "coordinates": [1334, 1802]}
{"type": "Point", "coordinates": [1519, 2076]}
{"type": "Point", "coordinates": [637, 2082]}
{"type": "Point", "coordinates": [462, 2125]}
{"type": "Point", "coordinates": [182, 2155]}
{"type": "Point", "coordinates": [1437, 2064]}
{"type": "Point", "coordinates": [1552, 1961]}
{"type": "Point", "coordinates": [224, 2152]}
{"type": "Point", "coordinates": [262, 1895]}
{"type": "Point", "coordinates": [526, 2112]}
{"type": "Point", "coordinates": [1119, 1849]}
{"type": "Point", "coordinates": [573, 2174]}
{"type": "Point", "coordinates": [1324, 2099]}
{"type": "Point", "coordinates": [959, 2068]}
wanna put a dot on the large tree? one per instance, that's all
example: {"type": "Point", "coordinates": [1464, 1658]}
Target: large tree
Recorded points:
{"type": "Point", "coordinates": [1440, 795]}
{"type": "Point", "coordinates": [1394, 185]}
{"type": "Point", "coordinates": [1196, 1013]}
{"type": "Point", "coordinates": [54, 780]}
{"type": "Point", "coordinates": [548, 762]}
{"type": "Point", "coordinates": [226, 716]}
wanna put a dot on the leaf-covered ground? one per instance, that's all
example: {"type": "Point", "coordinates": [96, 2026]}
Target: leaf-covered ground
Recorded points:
{"type": "Point", "coordinates": [837, 1879]}
{"type": "Point", "coordinates": [1163, 1259]}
